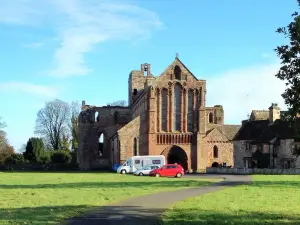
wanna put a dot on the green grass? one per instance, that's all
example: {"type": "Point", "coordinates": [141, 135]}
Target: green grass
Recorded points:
{"type": "Point", "coordinates": [267, 200]}
{"type": "Point", "coordinates": [48, 198]}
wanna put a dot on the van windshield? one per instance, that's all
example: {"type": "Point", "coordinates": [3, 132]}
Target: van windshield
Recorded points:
{"type": "Point", "coordinates": [127, 163]}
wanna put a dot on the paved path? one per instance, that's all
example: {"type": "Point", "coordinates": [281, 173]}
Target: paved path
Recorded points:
{"type": "Point", "coordinates": [145, 210]}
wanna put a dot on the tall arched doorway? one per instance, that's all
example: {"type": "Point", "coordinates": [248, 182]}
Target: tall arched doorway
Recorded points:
{"type": "Point", "coordinates": [175, 154]}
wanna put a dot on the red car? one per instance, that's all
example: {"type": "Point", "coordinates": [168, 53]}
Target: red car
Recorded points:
{"type": "Point", "coordinates": [168, 170]}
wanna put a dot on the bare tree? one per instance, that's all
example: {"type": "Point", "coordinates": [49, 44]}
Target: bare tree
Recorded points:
{"type": "Point", "coordinates": [3, 140]}
{"type": "Point", "coordinates": [118, 103]}
{"type": "Point", "coordinates": [73, 126]}
{"type": "Point", "coordinates": [52, 123]}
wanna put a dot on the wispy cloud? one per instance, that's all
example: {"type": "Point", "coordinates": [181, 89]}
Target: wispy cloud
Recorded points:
{"type": "Point", "coordinates": [241, 90]}
{"type": "Point", "coordinates": [79, 25]}
{"type": "Point", "coordinates": [20, 87]}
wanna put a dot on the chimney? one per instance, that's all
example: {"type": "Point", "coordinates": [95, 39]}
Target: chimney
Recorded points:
{"type": "Point", "coordinates": [274, 113]}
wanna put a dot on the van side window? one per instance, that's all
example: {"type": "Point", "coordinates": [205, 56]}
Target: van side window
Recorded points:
{"type": "Point", "coordinates": [156, 161]}
{"type": "Point", "coordinates": [137, 161]}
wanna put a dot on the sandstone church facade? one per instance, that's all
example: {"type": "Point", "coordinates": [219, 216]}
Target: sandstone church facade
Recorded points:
{"type": "Point", "coordinates": [166, 115]}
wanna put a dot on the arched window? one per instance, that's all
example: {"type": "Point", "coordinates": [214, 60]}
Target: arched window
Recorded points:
{"type": "Point", "coordinates": [157, 110]}
{"type": "Point", "coordinates": [164, 110]}
{"type": "Point", "coordinates": [210, 118]}
{"type": "Point", "coordinates": [190, 110]}
{"type": "Point", "coordinates": [96, 117]}
{"type": "Point", "coordinates": [177, 73]}
{"type": "Point", "coordinates": [216, 152]}
{"type": "Point", "coordinates": [101, 145]}
{"type": "Point", "coordinates": [134, 147]}
{"type": "Point", "coordinates": [177, 106]}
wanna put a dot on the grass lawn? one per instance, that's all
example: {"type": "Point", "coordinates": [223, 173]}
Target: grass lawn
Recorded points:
{"type": "Point", "coordinates": [270, 199]}
{"type": "Point", "coordinates": [48, 198]}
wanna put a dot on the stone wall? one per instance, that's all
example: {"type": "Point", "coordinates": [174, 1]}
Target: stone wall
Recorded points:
{"type": "Point", "coordinates": [225, 148]}
{"type": "Point", "coordinates": [284, 152]}
{"type": "Point", "coordinates": [217, 112]}
{"type": "Point", "coordinates": [251, 171]}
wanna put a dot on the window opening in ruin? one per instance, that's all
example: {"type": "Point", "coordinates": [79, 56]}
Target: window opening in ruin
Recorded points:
{"type": "Point", "coordinates": [177, 106]}
{"type": "Point", "coordinates": [211, 119]}
{"type": "Point", "coordinates": [96, 117]}
{"type": "Point", "coordinates": [145, 69]}
{"type": "Point", "coordinates": [216, 152]}
{"type": "Point", "coordinates": [134, 147]}
{"type": "Point", "coordinates": [116, 117]}
{"type": "Point", "coordinates": [135, 91]}
{"type": "Point", "coordinates": [101, 145]}
{"type": "Point", "coordinates": [177, 73]}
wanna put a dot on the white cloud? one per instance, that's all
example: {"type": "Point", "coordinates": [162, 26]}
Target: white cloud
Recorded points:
{"type": "Point", "coordinates": [79, 25]}
{"type": "Point", "coordinates": [20, 87]}
{"type": "Point", "coordinates": [245, 89]}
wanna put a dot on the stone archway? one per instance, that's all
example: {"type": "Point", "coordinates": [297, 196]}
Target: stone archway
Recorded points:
{"type": "Point", "coordinates": [175, 154]}
{"type": "Point", "coordinates": [215, 164]}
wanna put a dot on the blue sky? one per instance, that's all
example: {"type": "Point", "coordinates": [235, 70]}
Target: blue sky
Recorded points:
{"type": "Point", "coordinates": [85, 49]}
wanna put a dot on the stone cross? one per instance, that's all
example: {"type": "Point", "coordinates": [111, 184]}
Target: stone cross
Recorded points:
{"type": "Point", "coordinates": [177, 55]}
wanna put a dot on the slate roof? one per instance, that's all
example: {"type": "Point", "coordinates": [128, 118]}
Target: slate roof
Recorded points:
{"type": "Point", "coordinates": [259, 115]}
{"type": "Point", "coordinates": [229, 131]}
{"type": "Point", "coordinates": [262, 131]}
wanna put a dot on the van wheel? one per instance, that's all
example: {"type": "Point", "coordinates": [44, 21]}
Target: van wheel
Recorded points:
{"type": "Point", "coordinates": [141, 174]}
{"type": "Point", "coordinates": [178, 175]}
{"type": "Point", "coordinates": [123, 171]}
{"type": "Point", "coordinates": [157, 175]}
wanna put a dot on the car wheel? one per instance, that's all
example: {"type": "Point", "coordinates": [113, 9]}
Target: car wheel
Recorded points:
{"type": "Point", "coordinates": [141, 174]}
{"type": "Point", "coordinates": [157, 175]}
{"type": "Point", "coordinates": [178, 175]}
{"type": "Point", "coordinates": [123, 171]}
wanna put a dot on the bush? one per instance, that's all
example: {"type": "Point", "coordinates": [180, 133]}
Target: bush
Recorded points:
{"type": "Point", "coordinates": [45, 158]}
{"type": "Point", "coordinates": [15, 159]}
{"type": "Point", "coordinates": [61, 157]}
{"type": "Point", "coordinates": [34, 150]}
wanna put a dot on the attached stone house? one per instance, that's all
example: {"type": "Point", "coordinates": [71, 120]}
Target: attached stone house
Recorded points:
{"type": "Point", "coordinates": [167, 115]}
{"type": "Point", "coordinates": [265, 141]}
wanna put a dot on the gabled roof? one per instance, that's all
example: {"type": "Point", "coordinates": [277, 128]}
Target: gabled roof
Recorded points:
{"type": "Point", "coordinates": [259, 115]}
{"type": "Point", "coordinates": [229, 131]}
{"type": "Point", "coordinates": [181, 63]}
{"type": "Point", "coordinates": [263, 131]}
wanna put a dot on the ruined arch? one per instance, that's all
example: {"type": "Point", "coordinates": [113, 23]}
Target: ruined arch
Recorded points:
{"type": "Point", "coordinates": [215, 164]}
{"type": "Point", "coordinates": [176, 154]}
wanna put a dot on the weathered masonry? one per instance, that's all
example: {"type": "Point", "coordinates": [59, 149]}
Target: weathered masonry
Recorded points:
{"type": "Point", "coordinates": [167, 115]}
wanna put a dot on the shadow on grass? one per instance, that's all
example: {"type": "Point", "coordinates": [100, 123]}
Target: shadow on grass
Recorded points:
{"type": "Point", "coordinates": [279, 184]}
{"type": "Point", "coordinates": [191, 217]}
{"type": "Point", "coordinates": [156, 183]}
{"type": "Point", "coordinates": [135, 215]}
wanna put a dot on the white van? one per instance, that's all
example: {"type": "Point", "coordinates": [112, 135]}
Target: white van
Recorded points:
{"type": "Point", "coordinates": [137, 162]}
